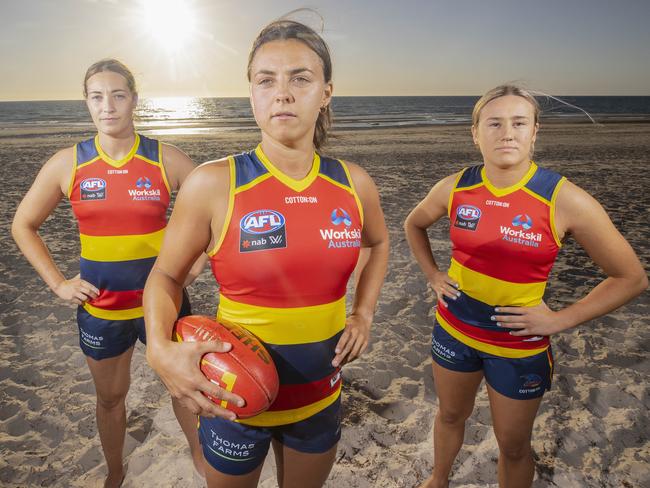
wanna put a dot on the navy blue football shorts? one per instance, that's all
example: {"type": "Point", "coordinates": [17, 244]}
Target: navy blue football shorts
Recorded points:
{"type": "Point", "coordinates": [517, 378]}
{"type": "Point", "coordinates": [236, 449]}
{"type": "Point", "coordinates": [103, 339]}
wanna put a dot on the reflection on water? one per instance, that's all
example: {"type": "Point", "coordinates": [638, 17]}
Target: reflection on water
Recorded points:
{"type": "Point", "coordinates": [193, 115]}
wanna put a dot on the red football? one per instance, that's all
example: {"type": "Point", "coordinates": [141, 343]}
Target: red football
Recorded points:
{"type": "Point", "coordinates": [247, 369]}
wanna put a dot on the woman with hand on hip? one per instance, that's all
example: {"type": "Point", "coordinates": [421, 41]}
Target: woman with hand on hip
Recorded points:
{"type": "Point", "coordinates": [288, 288]}
{"type": "Point", "coordinates": [119, 184]}
{"type": "Point", "coordinates": [508, 218]}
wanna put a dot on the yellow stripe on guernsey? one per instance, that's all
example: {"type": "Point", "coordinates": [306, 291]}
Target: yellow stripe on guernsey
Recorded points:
{"type": "Point", "coordinates": [282, 417]}
{"type": "Point", "coordinates": [505, 352]}
{"type": "Point", "coordinates": [121, 248]}
{"type": "Point", "coordinates": [127, 314]}
{"type": "Point", "coordinates": [286, 326]}
{"type": "Point", "coordinates": [493, 291]}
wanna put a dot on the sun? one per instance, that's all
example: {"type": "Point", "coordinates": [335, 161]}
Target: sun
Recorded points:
{"type": "Point", "coordinates": [171, 23]}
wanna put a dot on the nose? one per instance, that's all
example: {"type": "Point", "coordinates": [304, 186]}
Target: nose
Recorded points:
{"type": "Point", "coordinates": [108, 105]}
{"type": "Point", "coordinates": [507, 133]}
{"type": "Point", "coordinates": [283, 93]}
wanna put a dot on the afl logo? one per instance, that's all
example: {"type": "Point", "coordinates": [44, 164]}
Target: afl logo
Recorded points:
{"type": "Point", "coordinates": [262, 222]}
{"type": "Point", "coordinates": [468, 212]}
{"type": "Point", "coordinates": [93, 184]}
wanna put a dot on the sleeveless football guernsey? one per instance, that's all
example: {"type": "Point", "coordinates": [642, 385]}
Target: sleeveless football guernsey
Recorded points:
{"type": "Point", "coordinates": [282, 262]}
{"type": "Point", "coordinates": [504, 244]}
{"type": "Point", "coordinates": [121, 210]}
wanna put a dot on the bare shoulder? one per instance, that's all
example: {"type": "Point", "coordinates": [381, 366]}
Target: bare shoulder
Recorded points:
{"type": "Point", "coordinates": [577, 210]}
{"type": "Point", "coordinates": [177, 164]}
{"type": "Point", "coordinates": [57, 170]}
{"type": "Point", "coordinates": [212, 177]}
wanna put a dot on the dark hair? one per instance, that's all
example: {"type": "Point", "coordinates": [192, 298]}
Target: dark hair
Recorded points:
{"type": "Point", "coordinates": [115, 66]}
{"type": "Point", "coordinates": [502, 91]}
{"type": "Point", "coordinates": [283, 30]}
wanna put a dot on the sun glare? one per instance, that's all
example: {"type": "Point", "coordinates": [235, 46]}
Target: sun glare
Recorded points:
{"type": "Point", "coordinates": [171, 23]}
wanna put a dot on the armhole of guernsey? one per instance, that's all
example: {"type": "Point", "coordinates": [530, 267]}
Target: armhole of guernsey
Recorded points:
{"type": "Point", "coordinates": [163, 171]}
{"type": "Point", "coordinates": [74, 171]}
{"type": "Point", "coordinates": [353, 189]}
{"type": "Point", "coordinates": [453, 190]}
{"type": "Point", "coordinates": [552, 211]}
{"type": "Point", "coordinates": [231, 205]}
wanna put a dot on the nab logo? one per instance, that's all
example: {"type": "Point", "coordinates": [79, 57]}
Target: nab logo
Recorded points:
{"type": "Point", "coordinates": [93, 184]}
{"type": "Point", "coordinates": [262, 222]}
{"type": "Point", "coordinates": [340, 216]}
{"type": "Point", "coordinates": [522, 220]}
{"type": "Point", "coordinates": [143, 182]}
{"type": "Point", "coordinates": [467, 217]}
{"type": "Point", "coordinates": [93, 189]}
{"type": "Point", "coordinates": [262, 230]}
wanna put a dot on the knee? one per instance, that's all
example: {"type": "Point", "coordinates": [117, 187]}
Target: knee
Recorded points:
{"type": "Point", "coordinates": [111, 400]}
{"type": "Point", "coordinates": [454, 416]}
{"type": "Point", "coordinates": [514, 450]}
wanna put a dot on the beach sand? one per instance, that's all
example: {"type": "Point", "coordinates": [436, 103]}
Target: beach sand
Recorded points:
{"type": "Point", "coordinates": [593, 426]}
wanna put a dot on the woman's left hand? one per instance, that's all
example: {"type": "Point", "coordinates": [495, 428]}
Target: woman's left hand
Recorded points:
{"type": "Point", "coordinates": [530, 321]}
{"type": "Point", "coordinates": [353, 341]}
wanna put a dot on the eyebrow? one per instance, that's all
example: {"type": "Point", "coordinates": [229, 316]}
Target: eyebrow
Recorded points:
{"type": "Point", "coordinates": [291, 72]}
{"type": "Point", "coordinates": [114, 91]}
{"type": "Point", "coordinates": [515, 117]}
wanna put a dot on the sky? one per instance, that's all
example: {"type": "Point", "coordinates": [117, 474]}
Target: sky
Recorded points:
{"type": "Point", "coordinates": [186, 48]}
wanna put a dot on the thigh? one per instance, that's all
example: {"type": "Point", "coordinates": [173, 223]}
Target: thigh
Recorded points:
{"type": "Point", "coordinates": [512, 419]}
{"type": "Point", "coordinates": [457, 372]}
{"type": "Point", "coordinates": [111, 376]}
{"type": "Point", "coordinates": [301, 469]}
{"type": "Point", "coordinates": [232, 449]}
{"type": "Point", "coordinates": [305, 450]}
{"type": "Point", "coordinates": [102, 339]}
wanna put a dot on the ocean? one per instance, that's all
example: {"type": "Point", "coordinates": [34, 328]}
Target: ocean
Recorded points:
{"type": "Point", "coordinates": [196, 115]}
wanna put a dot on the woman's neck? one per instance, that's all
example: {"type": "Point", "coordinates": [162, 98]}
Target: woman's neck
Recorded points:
{"type": "Point", "coordinates": [294, 161]}
{"type": "Point", "coordinates": [117, 146]}
{"type": "Point", "coordinates": [505, 176]}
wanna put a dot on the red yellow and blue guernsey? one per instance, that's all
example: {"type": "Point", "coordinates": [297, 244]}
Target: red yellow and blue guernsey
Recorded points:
{"type": "Point", "coordinates": [504, 246]}
{"type": "Point", "coordinates": [283, 262]}
{"type": "Point", "coordinates": [121, 210]}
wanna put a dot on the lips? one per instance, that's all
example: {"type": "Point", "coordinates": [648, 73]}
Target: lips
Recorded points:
{"type": "Point", "coordinates": [283, 115]}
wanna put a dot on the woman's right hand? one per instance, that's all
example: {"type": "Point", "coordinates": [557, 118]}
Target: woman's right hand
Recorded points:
{"type": "Point", "coordinates": [76, 291]}
{"type": "Point", "coordinates": [177, 364]}
{"type": "Point", "coordinates": [444, 286]}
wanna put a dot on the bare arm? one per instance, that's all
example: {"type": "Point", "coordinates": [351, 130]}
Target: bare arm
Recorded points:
{"type": "Point", "coordinates": [423, 216]}
{"type": "Point", "coordinates": [200, 207]}
{"type": "Point", "coordinates": [49, 187]}
{"type": "Point", "coordinates": [371, 270]}
{"type": "Point", "coordinates": [584, 218]}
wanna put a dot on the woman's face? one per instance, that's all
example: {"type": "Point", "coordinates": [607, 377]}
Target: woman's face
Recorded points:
{"type": "Point", "coordinates": [288, 90]}
{"type": "Point", "coordinates": [110, 103]}
{"type": "Point", "coordinates": [506, 131]}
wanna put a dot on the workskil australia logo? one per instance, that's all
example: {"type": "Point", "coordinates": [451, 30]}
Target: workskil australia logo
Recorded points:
{"type": "Point", "coordinates": [261, 230]}
{"type": "Point", "coordinates": [143, 190]}
{"type": "Point", "coordinates": [341, 235]}
{"type": "Point", "coordinates": [517, 233]}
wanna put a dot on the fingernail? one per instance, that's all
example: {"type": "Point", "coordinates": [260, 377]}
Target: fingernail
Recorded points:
{"type": "Point", "coordinates": [493, 317]}
{"type": "Point", "coordinates": [240, 403]}
{"type": "Point", "coordinates": [498, 324]}
{"type": "Point", "coordinates": [458, 294]}
{"type": "Point", "coordinates": [496, 309]}
{"type": "Point", "coordinates": [337, 350]}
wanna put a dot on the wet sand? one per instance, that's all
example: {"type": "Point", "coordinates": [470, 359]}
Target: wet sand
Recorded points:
{"type": "Point", "coordinates": [592, 430]}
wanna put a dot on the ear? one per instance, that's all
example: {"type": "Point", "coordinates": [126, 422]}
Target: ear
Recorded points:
{"type": "Point", "coordinates": [535, 129]}
{"type": "Point", "coordinates": [327, 94]}
{"type": "Point", "coordinates": [475, 135]}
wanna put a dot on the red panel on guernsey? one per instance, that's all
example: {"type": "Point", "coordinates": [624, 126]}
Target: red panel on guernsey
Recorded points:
{"type": "Point", "coordinates": [290, 276]}
{"type": "Point", "coordinates": [490, 336]}
{"type": "Point", "coordinates": [118, 300]}
{"type": "Point", "coordinates": [483, 250]}
{"type": "Point", "coordinates": [134, 203]}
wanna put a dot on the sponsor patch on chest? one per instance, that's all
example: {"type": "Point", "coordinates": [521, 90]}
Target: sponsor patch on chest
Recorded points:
{"type": "Point", "coordinates": [93, 189]}
{"type": "Point", "coordinates": [262, 230]}
{"type": "Point", "coordinates": [467, 217]}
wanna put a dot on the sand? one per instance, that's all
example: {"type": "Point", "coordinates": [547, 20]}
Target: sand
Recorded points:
{"type": "Point", "coordinates": [593, 426]}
